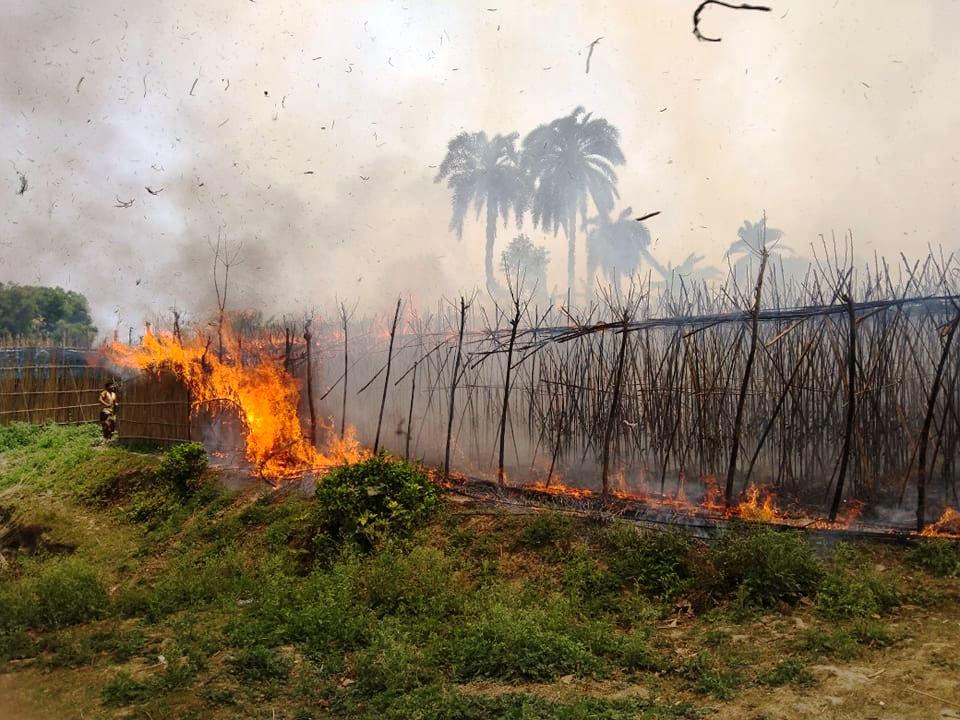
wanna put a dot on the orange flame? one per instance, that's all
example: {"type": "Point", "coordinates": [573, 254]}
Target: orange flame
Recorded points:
{"type": "Point", "coordinates": [264, 395]}
{"type": "Point", "coordinates": [759, 506]}
{"type": "Point", "coordinates": [947, 526]}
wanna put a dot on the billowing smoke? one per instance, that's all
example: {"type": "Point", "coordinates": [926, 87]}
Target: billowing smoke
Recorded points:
{"type": "Point", "coordinates": [310, 132]}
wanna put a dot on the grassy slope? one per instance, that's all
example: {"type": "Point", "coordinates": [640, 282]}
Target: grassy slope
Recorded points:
{"type": "Point", "coordinates": [216, 606]}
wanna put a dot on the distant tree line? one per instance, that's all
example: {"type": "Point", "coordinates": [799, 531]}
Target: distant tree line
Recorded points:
{"type": "Point", "coordinates": [562, 174]}
{"type": "Point", "coordinates": [45, 312]}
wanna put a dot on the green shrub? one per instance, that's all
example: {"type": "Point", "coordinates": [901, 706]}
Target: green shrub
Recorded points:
{"type": "Point", "coordinates": [368, 500]}
{"type": "Point", "coordinates": [763, 567]}
{"type": "Point", "coordinates": [636, 654]}
{"type": "Point", "coordinates": [658, 564]}
{"type": "Point", "coordinates": [789, 671]}
{"type": "Point", "coordinates": [421, 582]}
{"type": "Point", "coordinates": [58, 592]}
{"type": "Point", "coordinates": [853, 590]}
{"type": "Point", "coordinates": [938, 557]}
{"type": "Point", "coordinates": [257, 663]}
{"type": "Point", "coordinates": [123, 689]}
{"type": "Point", "coordinates": [18, 435]}
{"type": "Point", "coordinates": [839, 643]}
{"type": "Point", "coordinates": [513, 643]}
{"type": "Point", "coordinates": [391, 665]}
{"type": "Point", "coordinates": [592, 584]}
{"type": "Point", "coordinates": [183, 466]}
{"type": "Point", "coordinates": [546, 529]}
{"type": "Point", "coordinates": [320, 613]}
{"type": "Point", "coordinates": [709, 679]}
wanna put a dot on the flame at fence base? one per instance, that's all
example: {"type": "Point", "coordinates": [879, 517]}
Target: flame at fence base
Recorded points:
{"type": "Point", "coordinates": [265, 397]}
{"type": "Point", "coordinates": [947, 526]}
{"type": "Point", "coordinates": [758, 505]}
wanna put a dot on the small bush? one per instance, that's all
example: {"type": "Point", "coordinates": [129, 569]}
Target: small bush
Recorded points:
{"type": "Point", "coordinates": [708, 679]}
{"type": "Point", "coordinates": [518, 644]}
{"type": "Point", "coordinates": [840, 644]}
{"type": "Point", "coordinates": [592, 584]}
{"type": "Point", "coordinates": [938, 557]}
{"type": "Point", "coordinates": [259, 664]}
{"type": "Point", "coordinates": [546, 529]}
{"type": "Point", "coordinates": [636, 654]}
{"type": "Point", "coordinates": [59, 593]}
{"type": "Point", "coordinates": [183, 466]}
{"type": "Point", "coordinates": [123, 689]}
{"type": "Point", "coordinates": [391, 665]}
{"type": "Point", "coordinates": [658, 564]}
{"type": "Point", "coordinates": [368, 500]}
{"type": "Point", "coordinates": [421, 582]}
{"type": "Point", "coordinates": [789, 671]}
{"type": "Point", "coordinates": [854, 591]}
{"type": "Point", "coordinates": [18, 435]}
{"type": "Point", "coordinates": [765, 567]}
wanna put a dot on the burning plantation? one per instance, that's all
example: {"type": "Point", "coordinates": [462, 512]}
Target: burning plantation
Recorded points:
{"type": "Point", "coordinates": [437, 361]}
{"type": "Point", "coordinates": [827, 403]}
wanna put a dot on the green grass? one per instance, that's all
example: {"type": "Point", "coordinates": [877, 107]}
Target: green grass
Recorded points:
{"type": "Point", "coordinates": [366, 609]}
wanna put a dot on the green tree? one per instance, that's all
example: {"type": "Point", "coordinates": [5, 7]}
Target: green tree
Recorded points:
{"type": "Point", "coordinates": [485, 173]}
{"type": "Point", "coordinates": [569, 162]}
{"type": "Point", "coordinates": [37, 311]}
{"type": "Point", "coordinates": [527, 261]}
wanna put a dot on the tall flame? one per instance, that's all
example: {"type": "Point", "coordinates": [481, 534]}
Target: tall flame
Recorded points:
{"type": "Point", "coordinates": [265, 397]}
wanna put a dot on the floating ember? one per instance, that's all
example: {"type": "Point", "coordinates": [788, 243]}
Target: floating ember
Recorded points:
{"type": "Point", "coordinates": [265, 397]}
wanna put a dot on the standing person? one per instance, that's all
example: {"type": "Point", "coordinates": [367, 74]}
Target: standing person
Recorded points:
{"type": "Point", "coordinates": [108, 410]}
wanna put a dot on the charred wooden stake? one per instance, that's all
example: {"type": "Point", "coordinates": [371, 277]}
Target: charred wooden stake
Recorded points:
{"type": "Point", "coordinates": [346, 369]}
{"type": "Point", "coordinates": [745, 383]}
{"type": "Point", "coordinates": [386, 380]}
{"type": "Point", "coordinates": [851, 407]}
{"type": "Point", "coordinates": [413, 390]}
{"type": "Point", "coordinates": [307, 336]}
{"type": "Point", "coordinates": [925, 432]}
{"type": "Point", "coordinates": [614, 406]}
{"type": "Point", "coordinates": [453, 388]}
{"type": "Point", "coordinates": [514, 322]}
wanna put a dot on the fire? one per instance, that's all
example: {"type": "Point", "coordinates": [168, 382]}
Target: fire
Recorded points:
{"type": "Point", "coordinates": [759, 506]}
{"type": "Point", "coordinates": [948, 525]}
{"type": "Point", "coordinates": [264, 395]}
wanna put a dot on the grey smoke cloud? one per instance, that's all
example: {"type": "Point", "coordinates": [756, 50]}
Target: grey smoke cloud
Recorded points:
{"type": "Point", "coordinates": [828, 115]}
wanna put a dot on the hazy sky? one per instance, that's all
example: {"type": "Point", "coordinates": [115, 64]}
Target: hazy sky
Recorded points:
{"type": "Point", "coordinates": [830, 115]}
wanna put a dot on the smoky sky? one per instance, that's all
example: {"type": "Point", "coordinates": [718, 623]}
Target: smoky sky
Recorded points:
{"type": "Point", "coordinates": [311, 132]}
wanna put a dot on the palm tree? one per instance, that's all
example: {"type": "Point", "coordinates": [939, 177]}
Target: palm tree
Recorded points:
{"type": "Point", "coordinates": [756, 236]}
{"type": "Point", "coordinates": [570, 161]}
{"type": "Point", "coordinates": [617, 247]}
{"type": "Point", "coordinates": [486, 173]}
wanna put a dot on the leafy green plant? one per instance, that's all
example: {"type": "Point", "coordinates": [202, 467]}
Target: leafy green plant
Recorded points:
{"type": "Point", "coordinates": [517, 643]}
{"type": "Point", "coordinates": [183, 466]}
{"type": "Point", "coordinates": [18, 435]}
{"type": "Point", "coordinates": [789, 671]}
{"type": "Point", "coordinates": [938, 557]}
{"type": "Point", "coordinates": [546, 529]}
{"type": "Point", "coordinates": [657, 564]}
{"type": "Point", "coordinates": [854, 590]}
{"type": "Point", "coordinates": [839, 643]}
{"type": "Point", "coordinates": [57, 593]}
{"type": "Point", "coordinates": [377, 497]}
{"type": "Point", "coordinates": [763, 567]}
{"type": "Point", "coordinates": [259, 663]}
{"type": "Point", "coordinates": [391, 664]}
{"type": "Point", "coordinates": [707, 678]}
